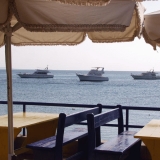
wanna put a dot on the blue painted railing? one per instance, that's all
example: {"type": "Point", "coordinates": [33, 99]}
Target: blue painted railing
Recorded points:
{"type": "Point", "coordinates": [126, 109]}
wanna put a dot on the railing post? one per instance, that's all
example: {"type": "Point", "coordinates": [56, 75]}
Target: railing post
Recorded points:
{"type": "Point", "coordinates": [127, 119]}
{"type": "Point", "coordinates": [24, 110]}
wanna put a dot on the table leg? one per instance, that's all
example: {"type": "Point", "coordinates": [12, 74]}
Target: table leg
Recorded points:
{"type": "Point", "coordinates": [4, 142]}
{"type": "Point", "coordinates": [153, 146]}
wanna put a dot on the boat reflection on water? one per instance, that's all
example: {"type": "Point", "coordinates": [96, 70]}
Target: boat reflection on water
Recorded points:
{"type": "Point", "coordinates": [93, 75]}
{"type": "Point", "coordinates": [39, 73]}
{"type": "Point", "coordinates": [150, 75]}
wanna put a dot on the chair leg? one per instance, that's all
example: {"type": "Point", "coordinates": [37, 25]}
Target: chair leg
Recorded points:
{"type": "Point", "coordinates": [135, 152]}
{"type": "Point", "coordinates": [45, 155]}
{"type": "Point", "coordinates": [82, 147]}
{"type": "Point", "coordinates": [14, 157]}
{"type": "Point", "coordinates": [104, 156]}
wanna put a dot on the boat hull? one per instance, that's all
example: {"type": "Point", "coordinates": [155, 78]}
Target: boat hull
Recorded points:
{"type": "Point", "coordinates": [139, 77]}
{"type": "Point", "coordinates": [92, 78]}
{"type": "Point", "coordinates": [35, 76]}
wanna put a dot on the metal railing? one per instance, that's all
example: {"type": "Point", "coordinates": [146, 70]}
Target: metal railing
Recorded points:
{"type": "Point", "coordinates": [125, 108]}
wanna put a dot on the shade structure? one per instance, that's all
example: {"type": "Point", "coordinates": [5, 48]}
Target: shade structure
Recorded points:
{"type": "Point", "coordinates": [52, 16]}
{"type": "Point", "coordinates": [51, 23]}
{"type": "Point", "coordinates": [46, 22]}
{"type": "Point", "coordinates": [151, 30]}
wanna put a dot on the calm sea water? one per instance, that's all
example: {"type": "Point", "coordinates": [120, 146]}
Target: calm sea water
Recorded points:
{"type": "Point", "coordinates": [65, 87]}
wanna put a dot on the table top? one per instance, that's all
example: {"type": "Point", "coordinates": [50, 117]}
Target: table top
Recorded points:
{"type": "Point", "coordinates": [150, 130]}
{"type": "Point", "coordinates": [27, 119]}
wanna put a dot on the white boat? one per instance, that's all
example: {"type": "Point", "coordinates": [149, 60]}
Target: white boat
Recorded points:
{"type": "Point", "coordinates": [93, 75]}
{"type": "Point", "coordinates": [150, 75]}
{"type": "Point", "coordinates": [39, 73]}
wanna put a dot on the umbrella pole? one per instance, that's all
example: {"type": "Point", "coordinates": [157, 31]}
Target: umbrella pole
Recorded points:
{"type": "Point", "coordinates": [8, 34]}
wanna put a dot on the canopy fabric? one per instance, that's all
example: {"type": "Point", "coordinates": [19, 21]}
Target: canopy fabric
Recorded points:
{"type": "Point", "coordinates": [51, 16]}
{"type": "Point", "coordinates": [86, 2]}
{"type": "Point", "coordinates": [134, 30]}
{"type": "Point", "coordinates": [73, 31]}
{"type": "Point", "coordinates": [151, 31]}
{"type": "Point", "coordinates": [1, 39]}
{"type": "Point", "coordinates": [57, 38]}
{"type": "Point", "coordinates": [5, 14]}
{"type": "Point", "coordinates": [22, 37]}
{"type": "Point", "coordinates": [89, 2]}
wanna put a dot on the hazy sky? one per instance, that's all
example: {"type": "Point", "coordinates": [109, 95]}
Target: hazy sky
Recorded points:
{"type": "Point", "coordinates": [128, 56]}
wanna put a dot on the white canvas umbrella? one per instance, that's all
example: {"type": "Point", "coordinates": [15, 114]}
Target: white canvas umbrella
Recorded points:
{"type": "Point", "coordinates": [151, 30]}
{"type": "Point", "coordinates": [53, 23]}
{"type": "Point", "coordinates": [45, 22]}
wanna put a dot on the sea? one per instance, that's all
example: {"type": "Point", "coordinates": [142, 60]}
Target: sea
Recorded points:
{"type": "Point", "coordinates": [65, 87]}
